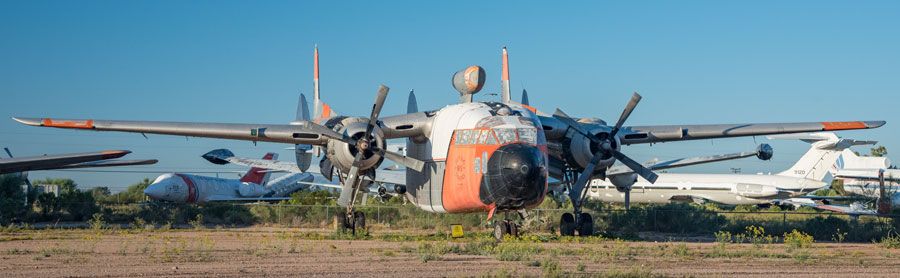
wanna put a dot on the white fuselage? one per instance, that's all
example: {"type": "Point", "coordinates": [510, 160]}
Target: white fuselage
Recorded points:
{"type": "Point", "coordinates": [865, 181]}
{"type": "Point", "coordinates": [731, 189]}
{"type": "Point", "coordinates": [185, 188]}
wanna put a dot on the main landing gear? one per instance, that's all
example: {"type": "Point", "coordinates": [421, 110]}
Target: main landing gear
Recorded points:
{"type": "Point", "coordinates": [350, 221]}
{"type": "Point", "coordinates": [569, 224]}
{"type": "Point", "coordinates": [584, 224]}
{"type": "Point", "coordinates": [505, 227]}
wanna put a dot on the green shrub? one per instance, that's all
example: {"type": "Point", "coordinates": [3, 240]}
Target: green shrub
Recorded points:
{"type": "Point", "coordinates": [797, 240]}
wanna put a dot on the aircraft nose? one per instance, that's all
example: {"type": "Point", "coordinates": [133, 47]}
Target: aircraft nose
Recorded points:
{"type": "Point", "coordinates": [168, 187]}
{"type": "Point", "coordinates": [516, 177]}
{"type": "Point", "coordinates": [155, 191]}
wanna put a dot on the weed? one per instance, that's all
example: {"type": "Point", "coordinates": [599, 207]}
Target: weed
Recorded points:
{"type": "Point", "coordinates": [550, 268]}
{"type": "Point", "coordinates": [634, 272]}
{"type": "Point", "coordinates": [97, 223]}
{"type": "Point", "coordinates": [891, 241]}
{"type": "Point", "coordinates": [516, 251]}
{"type": "Point", "coordinates": [723, 237]}
{"type": "Point", "coordinates": [838, 236]}
{"type": "Point", "coordinates": [797, 240]}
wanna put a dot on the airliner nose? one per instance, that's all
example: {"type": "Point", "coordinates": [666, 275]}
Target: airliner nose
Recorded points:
{"type": "Point", "coordinates": [168, 187]}
{"type": "Point", "coordinates": [155, 191]}
{"type": "Point", "coordinates": [516, 177]}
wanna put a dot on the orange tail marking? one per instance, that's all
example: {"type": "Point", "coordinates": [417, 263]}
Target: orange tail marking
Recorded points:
{"type": "Point", "coordinates": [505, 65]}
{"type": "Point", "coordinates": [316, 64]}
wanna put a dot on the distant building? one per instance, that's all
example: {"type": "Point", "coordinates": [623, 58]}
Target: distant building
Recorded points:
{"type": "Point", "coordinates": [47, 188]}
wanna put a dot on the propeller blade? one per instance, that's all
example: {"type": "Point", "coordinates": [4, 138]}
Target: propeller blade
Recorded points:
{"type": "Point", "coordinates": [635, 98]}
{"type": "Point", "coordinates": [639, 169]}
{"type": "Point", "coordinates": [348, 189]}
{"type": "Point", "coordinates": [562, 116]}
{"type": "Point", "coordinates": [376, 108]}
{"type": "Point", "coordinates": [409, 162]}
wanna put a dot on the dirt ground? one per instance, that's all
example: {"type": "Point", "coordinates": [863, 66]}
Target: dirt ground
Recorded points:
{"type": "Point", "coordinates": [262, 251]}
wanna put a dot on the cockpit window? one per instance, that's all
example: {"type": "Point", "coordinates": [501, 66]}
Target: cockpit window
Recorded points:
{"type": "Point", "coordinates": [528, 135]}
{"type": "Point", "coordinates": [487, 137]}
{"type": "Point", "coordinates": [506, 135]}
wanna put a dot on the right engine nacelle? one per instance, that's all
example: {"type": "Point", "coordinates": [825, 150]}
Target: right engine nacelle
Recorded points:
{"type": "Point", "coordinates": [623, 182]}
{"type": "Point", "coordinates": [581, 150]}
{"type": "Point", "coordinates": [342, 154]}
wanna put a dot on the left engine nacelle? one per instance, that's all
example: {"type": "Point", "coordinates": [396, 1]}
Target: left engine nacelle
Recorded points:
{"type": "Point", "coordinates": [342, 154]}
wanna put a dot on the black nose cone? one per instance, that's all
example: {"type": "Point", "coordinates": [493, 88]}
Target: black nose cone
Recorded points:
{"type": "Point", "coordinates": [515, 178]}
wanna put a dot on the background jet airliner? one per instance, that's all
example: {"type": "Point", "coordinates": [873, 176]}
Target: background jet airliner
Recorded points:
{"type": "Point", "coordinates": [253, 186]}
{"type": "Point", "coordinates": [809, 174]}
{"type": "Point", "coordinates": [468, 157]}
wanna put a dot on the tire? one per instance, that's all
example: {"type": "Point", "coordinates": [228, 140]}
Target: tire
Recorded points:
{"type": "Point", "coordinates": [514, 229]}
{"type": "Point", "coordinates": [501, 228]}
{"type": "Point", "coordinates": [586, 225]}
{"type": "Point", "coordinates": [340, 221]}
{"type": "Point", "coordinates": [359, 221]}
{"type": "Point", "coordinates": [567, 225]}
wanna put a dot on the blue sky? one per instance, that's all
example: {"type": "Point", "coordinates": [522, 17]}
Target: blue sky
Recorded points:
{"type": "Point", "coordinates": [221, 61]}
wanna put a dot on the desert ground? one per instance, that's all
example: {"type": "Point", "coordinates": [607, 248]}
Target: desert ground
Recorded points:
{"type": "Point", "coordinates": [267, 251]}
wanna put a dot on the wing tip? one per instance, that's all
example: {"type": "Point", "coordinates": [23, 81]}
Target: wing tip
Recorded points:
{"type": "Point", "coordinates": [875, 124]}
{"type": "Point", "coordinates": [28, 121]}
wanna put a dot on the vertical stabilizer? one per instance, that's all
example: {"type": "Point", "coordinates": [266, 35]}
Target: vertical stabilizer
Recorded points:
{"type": "Point", "coordinates": [504, 82]}
{"type": "Point", "coordinates": [303, 153]}
{"type": "Point", "coordinates": [316, 97]}
{"type": "Point", "coordinates": [259, 175]}
{"type": "Point", "coordinates": [822, 155]}
{"type": "Point", "coordinates": [525, 97]}
{"type": "Point", "coordinates": [412, 105]}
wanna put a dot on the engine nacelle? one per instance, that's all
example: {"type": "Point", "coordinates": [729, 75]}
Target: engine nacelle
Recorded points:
{"type": "Point", "coordinates": [623, 182]}
{"type": "Point", "coordinates": [342, 155]}
{"type": "Point", "coordinates": [582, 149]}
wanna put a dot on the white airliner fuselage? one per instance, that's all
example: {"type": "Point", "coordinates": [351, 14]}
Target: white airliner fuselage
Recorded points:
{"type": "Point", "coordinates": [732, 189]}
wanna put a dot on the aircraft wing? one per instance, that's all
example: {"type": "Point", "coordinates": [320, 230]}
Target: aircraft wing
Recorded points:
{"type": "Point", "coordinates": [246, 199]}
{"type": "Point", "coordinates": [682, 162]}
{"type": "Point", "coordinates": [665, 133]}
{"type": "Point", "coordinates": [301, 132]}
{"type": "Point", "coordinates": [63, 161]}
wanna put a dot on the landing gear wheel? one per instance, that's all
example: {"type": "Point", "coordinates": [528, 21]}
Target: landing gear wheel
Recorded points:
{"type": "Point", "coordinates": [567, 225]}
{"type": "Point", "coordinates": [341, 223]}
{"type": "Point", "coordinates": [501, 228]}
{"type": "Point", "coordinates": [586, 224]}
{"type": "Point", "coordinates": [359, 221]}
{"type": "Point", "coordinates": [513, 229]}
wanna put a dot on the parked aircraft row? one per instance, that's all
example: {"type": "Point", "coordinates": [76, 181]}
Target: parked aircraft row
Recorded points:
{"type": "Point", "coordinates": [808, 174]}
{"type": "Point", "coordinates": [472, 156]}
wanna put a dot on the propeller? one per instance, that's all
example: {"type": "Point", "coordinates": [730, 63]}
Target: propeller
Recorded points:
{"type": "Point", "coordinates": [363, 144]}
{"type": "Point", "coordinates": [606, 149]}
